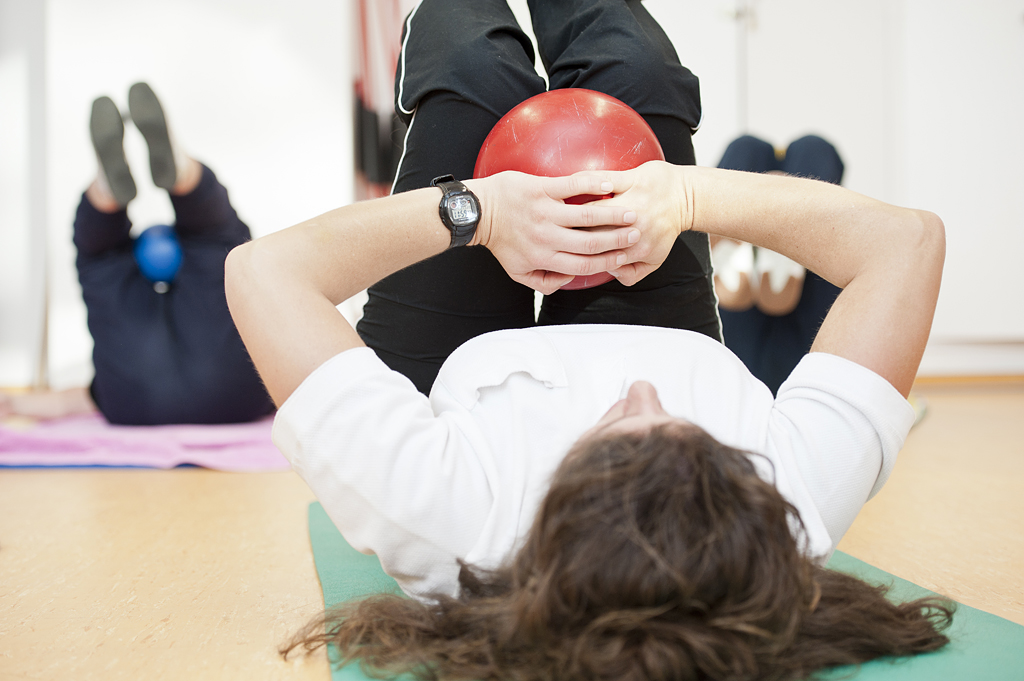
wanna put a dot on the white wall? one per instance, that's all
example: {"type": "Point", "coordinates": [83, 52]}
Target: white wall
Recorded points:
{"type": "Point", "coordinates": [964, 149]}
{"type": "Point", "coordinates": [923, 100]}
{"type": "Point", "coordinates": [22, 191]}
{"type": "Point", "coordinates": [826, 68]}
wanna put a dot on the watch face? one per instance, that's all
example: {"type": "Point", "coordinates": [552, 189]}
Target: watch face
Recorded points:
{"type": "Point", "coordinates": [463, 210]}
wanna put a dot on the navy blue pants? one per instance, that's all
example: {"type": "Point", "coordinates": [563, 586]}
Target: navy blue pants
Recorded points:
{"type": "Point", "coordinates": [464, 65]}
{"type": "Point", "coordinates": [173, 357]}
{"type": "Point", "coordinates": [770, 346]}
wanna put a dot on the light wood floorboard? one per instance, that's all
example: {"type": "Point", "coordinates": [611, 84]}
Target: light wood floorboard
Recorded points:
{"type": "Point", "coordinates": [951, 517]}
{"type": "Point", "coordinates": [136, 574]}
{"type": "Point", "coordinates": [194, 574]}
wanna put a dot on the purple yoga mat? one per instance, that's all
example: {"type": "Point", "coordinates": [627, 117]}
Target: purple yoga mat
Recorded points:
{"type": "Point", "coordinates": [91, 441]}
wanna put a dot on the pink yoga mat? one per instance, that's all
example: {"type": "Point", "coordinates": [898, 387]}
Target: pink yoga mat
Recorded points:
{"type": "Point", "coordinates": [91, 441]}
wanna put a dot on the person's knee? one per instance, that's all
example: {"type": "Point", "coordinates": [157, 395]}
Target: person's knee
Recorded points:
{"type": "Point", "coordinates": [633, 71]}
{"type": "Point", "coordinates": [749, 153]}
{"type": "Point", "coordinates": [479, 53]}
{"type": "Point", "coordinates": [502, 58]}
{"type": "Point", "coordinates": [813, 156]}
{"type": "Point", "coordinates": [812, 144]}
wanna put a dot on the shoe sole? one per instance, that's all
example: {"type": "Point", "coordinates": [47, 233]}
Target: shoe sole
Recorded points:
{"type": "Point", "coordinates": [107, 131]}
{"type": "Point", "coordinates": [149, 118]}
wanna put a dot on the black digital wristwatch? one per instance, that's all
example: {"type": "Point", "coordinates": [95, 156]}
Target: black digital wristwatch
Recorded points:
{"type": "Point", "coordinates": [459, 209]}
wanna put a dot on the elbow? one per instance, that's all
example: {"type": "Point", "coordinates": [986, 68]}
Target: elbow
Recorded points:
{"type": "Point", "coordinates": [932, 239]}
{"type": "Point", "coordinates": [234, 264]}
{"type": "Point", "coordinates": [237, 271]}
{"type": "Point", "coordinates": [924, 251]}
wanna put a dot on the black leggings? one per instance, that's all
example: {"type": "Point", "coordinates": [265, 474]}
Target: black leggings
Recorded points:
{"type": "Point", "coordinates": [173, 357]}
{"type": "Point", "coordinates": [465, 64]}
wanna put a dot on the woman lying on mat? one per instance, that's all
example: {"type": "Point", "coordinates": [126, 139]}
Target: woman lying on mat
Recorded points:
{"type": "Point", "coordinates": [164, 347]}
{"type": "Point", "coordinates": [602, 501]}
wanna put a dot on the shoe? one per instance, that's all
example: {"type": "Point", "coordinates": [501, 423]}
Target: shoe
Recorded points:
{"type": "Point", "coordinates": [149, 118]}
{"type": "Point", "coordinates": [733, 263]}
{"type": "Point", "coordinates": [106, 128]}
{"type": "Point", "coordinates": [780, 282]}
{"type": "Point", "coordinates": [731, 260]}
{"type": "Point", "coordinates": [778, 268]}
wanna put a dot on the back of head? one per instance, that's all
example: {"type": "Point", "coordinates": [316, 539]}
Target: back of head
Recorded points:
{"type": "Point", "coordinates": [662, 555]}
{"type": "Point", "coordinates": [659, 555]}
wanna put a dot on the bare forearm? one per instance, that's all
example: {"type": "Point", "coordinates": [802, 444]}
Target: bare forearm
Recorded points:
{"type": "Point", "coordinates": [830, 230]}
{"type": "Point", "coordinates": [887, 259]}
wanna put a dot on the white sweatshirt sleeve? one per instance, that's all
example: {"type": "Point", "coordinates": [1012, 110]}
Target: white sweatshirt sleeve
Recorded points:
{"type": "Point", "coordinates": [837, 427]}
{"type": "Point", "coordinates": [396, 479]}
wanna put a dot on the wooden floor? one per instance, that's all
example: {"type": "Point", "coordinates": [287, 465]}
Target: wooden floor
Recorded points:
{"type": "Point", "coordinates": [182, 574]}
{"type": "Point", "coordinates": [193, 574]}
{"type": "Point", "coordinates": [951, 517]}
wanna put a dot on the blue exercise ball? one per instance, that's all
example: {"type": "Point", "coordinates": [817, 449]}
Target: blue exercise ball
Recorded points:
{"type": "Point", "coordinates": [158, 253]}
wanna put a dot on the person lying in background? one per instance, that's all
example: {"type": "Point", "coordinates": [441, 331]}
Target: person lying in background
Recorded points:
{"type": "Point", "coordinates": [770, 306]}
{"type": "Point", "coordinates": [165, 348]}
{"type": "Point", "coordinates": [601, 501]}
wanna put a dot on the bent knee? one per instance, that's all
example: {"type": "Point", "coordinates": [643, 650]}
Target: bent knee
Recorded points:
{"type": "Point", "coordinates": [481, 54]}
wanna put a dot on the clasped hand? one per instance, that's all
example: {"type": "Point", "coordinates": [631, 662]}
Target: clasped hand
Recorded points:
{"type": "Point", "coordinates": [543, 243]}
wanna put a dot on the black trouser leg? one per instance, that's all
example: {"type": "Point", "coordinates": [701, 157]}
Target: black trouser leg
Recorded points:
{"type": "Point", "coordinates": [616, 47]}
{"type": "Point", "coordinates": [465, 64]}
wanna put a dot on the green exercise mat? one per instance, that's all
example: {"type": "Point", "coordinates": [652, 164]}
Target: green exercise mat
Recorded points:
{"type": "Point", "coordinates": [983, 647]}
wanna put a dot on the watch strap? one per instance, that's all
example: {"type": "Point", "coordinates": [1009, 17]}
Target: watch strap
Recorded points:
{"type": "Point", "coordinates": [449, 186]}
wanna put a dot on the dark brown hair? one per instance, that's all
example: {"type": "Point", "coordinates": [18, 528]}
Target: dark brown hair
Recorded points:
{"type": "Point", "coordinates": [654, 556]}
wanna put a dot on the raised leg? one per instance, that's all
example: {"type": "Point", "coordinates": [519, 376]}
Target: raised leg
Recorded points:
{"type": "Point", "coordinates": [811, 156]}
{"type": "Point", "coordinates": [616, 47]}
{"type": "Point", "coordinates": [464, 64]}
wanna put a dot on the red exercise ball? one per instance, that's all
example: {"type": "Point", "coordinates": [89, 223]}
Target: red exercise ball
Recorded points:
{"type": "Point", "coordinates": [565, 131]}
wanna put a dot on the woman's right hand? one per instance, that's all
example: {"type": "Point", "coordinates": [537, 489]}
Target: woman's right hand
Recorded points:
{"type": "Point", "coordinates": [662, 198]}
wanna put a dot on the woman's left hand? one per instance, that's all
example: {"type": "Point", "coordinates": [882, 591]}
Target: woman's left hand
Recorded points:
{"type": "Point", "coordinates": [660, 194]}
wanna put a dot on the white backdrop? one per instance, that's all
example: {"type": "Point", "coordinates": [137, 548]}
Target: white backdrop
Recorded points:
{"type": "Point", "coordinates": [22, 191]}
{"type": "Point", "coordinates": [922, 99]}
{"type": "Point", "coordinates": [963, 155]}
